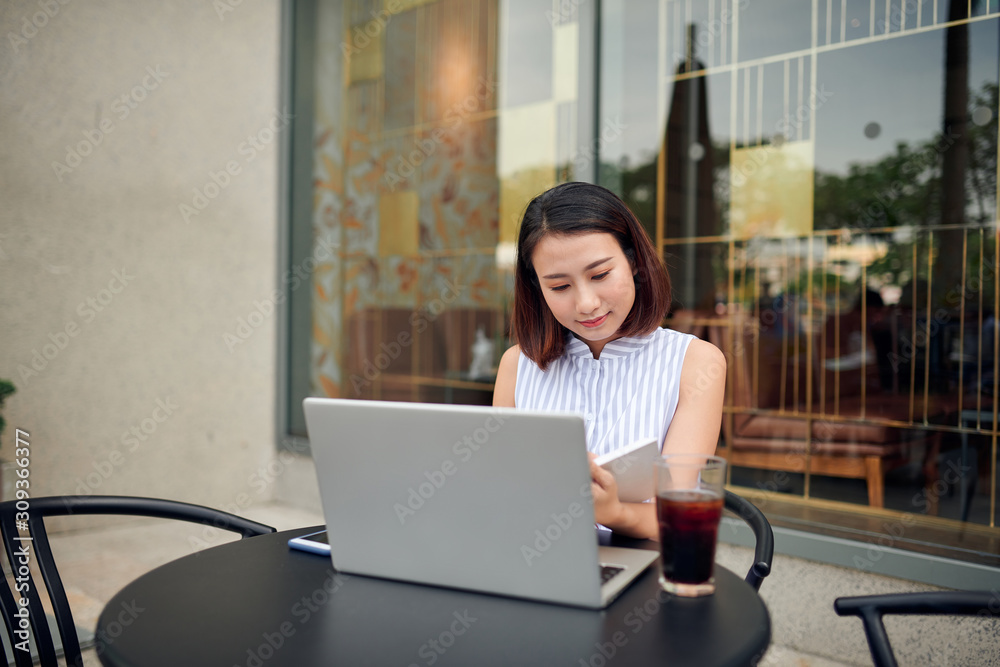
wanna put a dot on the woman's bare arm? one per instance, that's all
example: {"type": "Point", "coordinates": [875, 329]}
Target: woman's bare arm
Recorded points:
{"type": "Point", "coordinates": [698, 419]}
{"type": "Point", "coordinates": [693, 429]}
{"type": "Point", "coordinates": [503, 389]}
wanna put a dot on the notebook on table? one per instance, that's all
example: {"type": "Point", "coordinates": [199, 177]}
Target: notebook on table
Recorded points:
{"type": "Point", "coordinates": [494, 500]}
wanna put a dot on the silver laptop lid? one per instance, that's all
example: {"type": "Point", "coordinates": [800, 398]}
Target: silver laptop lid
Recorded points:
{"type": "Point", "coordinates": [479, 498]}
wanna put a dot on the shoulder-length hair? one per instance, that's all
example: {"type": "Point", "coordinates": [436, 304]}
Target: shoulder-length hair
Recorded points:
{"type": "Point", "coordinates": [582, 208]}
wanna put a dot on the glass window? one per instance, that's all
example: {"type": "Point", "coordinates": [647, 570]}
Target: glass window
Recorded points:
{"type": "Point", "coordinates": [821, 179]}
{"type": "Point", "coordinates": [433, 124]}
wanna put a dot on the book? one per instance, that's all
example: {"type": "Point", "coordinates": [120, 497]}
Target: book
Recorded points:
{"type": "Point", "coordinates": [632, 467]}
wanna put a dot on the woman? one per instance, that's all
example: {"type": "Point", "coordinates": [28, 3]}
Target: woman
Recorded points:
{"type": "Point", "coordinates": [590, 293]}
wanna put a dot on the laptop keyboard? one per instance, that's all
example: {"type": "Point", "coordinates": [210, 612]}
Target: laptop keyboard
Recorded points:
{"type": "Point", "coordinates": [609, 571]}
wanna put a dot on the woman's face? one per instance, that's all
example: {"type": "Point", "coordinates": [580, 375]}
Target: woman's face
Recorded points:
{"type": "Point", "coordinates": [587, 283]}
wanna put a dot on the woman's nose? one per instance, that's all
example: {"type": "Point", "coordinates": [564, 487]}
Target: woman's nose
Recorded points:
{"type": "Point", "coordinates": [587, 301]}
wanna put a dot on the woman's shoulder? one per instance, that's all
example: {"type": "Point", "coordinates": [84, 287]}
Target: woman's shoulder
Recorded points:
{"type": "Point", "coordinates": [503, 389]}
{"type": "Point", "coordinates": [510, 357]}
{"type": "Point", "coordinates": [704, 356]}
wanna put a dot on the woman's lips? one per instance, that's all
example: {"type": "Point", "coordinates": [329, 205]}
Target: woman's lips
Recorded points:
{"type": "Point", "coordinates": [590, 324]}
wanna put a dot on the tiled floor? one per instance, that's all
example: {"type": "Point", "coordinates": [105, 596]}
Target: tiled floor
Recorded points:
{"type": "Point", "coordinates": [96, 563]}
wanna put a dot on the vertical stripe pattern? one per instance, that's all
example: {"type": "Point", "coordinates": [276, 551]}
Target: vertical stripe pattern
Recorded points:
{"type": "Point", "coordinates": [629, 393]}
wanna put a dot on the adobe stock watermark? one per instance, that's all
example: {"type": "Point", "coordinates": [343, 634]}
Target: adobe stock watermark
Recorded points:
{"type": "Point", "coordinates": [923, 501]}
{"type": "Point", "coordinates": [219, 180]}
{"type": "Point", "coordinates": [87, 310]}
{"type": "Point", "coordinates": [223, 7]}
{"type": "Point", "coordinates": [363, 35]}
{"type": "Point", "coordinates": [784, 127]}
{"type": "Point", "coordinates": [876, 213]}
{"type": "Point", "coordinates": [126, 616]}
{"type": "Point", "coordinates": [266, 307]}
{"type": "Point", "coordinates": [713, 30]}
{"type": "Point", "coordinates": [302, 611]}
{"type": "Point", "coordinates": [563, 12]}
{"type": "Point", "coordinates": [559, 524]}
{"type": "Point", "coordinates": [612, 131]}
{"type": "Point", "coordinates": [29, 28]}
{"type": "Point", "coordinates": [432, 650]}
{"type": "Point", "coordinates": [424, 147]}
{"type": "Point", "coordinates": [419, 495]}
{"type": "Point", "coordinates": [260, 481]}
{"type": "Point", "coordinates": [635, 620]}
{"type": "Point", "coordinates": [419, 321]}
{"type": "Point", "coordinates": [122, 106]}
{"type": "Point", "coordinates": [137, 435]}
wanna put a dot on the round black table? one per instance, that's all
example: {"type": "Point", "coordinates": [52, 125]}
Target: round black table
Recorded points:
{"type": "Point", "coordinates": [256, 602]}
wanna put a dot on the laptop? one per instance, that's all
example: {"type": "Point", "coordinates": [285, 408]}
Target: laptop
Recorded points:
{"type": "Point", "coordinates": [494, 500]}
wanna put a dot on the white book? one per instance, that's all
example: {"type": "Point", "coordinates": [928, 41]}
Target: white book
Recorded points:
{"type": "Point", "coordinates": [632, 467]}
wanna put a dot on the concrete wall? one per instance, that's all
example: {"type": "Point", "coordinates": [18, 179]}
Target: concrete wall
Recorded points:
{"type": "Point", "coordinates": [116, 302]}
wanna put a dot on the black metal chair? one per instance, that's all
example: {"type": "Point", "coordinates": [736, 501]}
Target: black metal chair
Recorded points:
{"type": "Point", "coordinates": [22, 524]}
{"type": "Point", "coordinates": [764, 547]}
{"type": "Point", "coordinates": [870, 608]}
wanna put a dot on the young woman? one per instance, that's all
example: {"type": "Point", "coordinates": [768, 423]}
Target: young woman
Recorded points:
{"type": "Point", "coordinates": [590, 293]}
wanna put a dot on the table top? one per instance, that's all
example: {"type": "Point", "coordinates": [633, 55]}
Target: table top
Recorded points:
{"type": "Point", "coordinates": [256, 602]}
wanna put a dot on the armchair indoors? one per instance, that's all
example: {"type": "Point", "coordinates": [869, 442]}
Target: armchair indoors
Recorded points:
{"type": "Point", "coordinates": [796, 404]}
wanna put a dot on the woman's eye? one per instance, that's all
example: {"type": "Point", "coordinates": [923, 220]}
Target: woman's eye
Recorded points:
{"type": "Point", "coordinates": [602, 276]}
{"type": "Point", "coordinates": [559, 288]}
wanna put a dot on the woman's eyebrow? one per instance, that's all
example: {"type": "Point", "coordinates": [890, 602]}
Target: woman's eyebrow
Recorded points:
{"type": "Point", "coordinates": [590, 266]}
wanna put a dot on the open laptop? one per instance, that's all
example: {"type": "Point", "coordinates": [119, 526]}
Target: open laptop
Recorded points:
{"type": "Point", "coordinates": [487, 499]}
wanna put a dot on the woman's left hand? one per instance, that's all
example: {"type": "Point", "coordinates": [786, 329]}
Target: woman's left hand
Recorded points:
{"type": "Point", "coordinates": [607, 508]}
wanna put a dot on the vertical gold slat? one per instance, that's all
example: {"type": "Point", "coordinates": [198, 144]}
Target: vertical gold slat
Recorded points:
{"type": "Point", "coordinates": [829, 22]}
{"type": "Point", "coordinates": [760, 105]}
{"type": "Point", "coordinates": [836, 341]}
{"type": "Point", "coordinates": [809, 356]}
{"type": "Point", "coordinates": [782, 381]}
{"type": "Point", "coordinates": [961, 324]}
{"type": "Point", "coordinates": [756, 324]}
{"type": "Point", "coordinates": [996, 373]}
{"type": "Point", "coordinates": [913, 329]}
{"type": "Point", "coordinates": [340, 355]}
{"type": "Point", "coordinates": [927, 337]}
{"type": "Point", "coordinates": [730, 333]}
{"type": "Point", "coordinates": [979, 338]}
{"type": "Point", "coordinates": [824, 343]}
{"type": "Point", "coordinates": [724, 40]}
{"type": "Point", "coordinates": [843, 20]}
{"type": "Point", "coordinates": [864, 340]}
{"type": "Point", "coordinates": [661, 197]}
{"type": "Point", "coordinates": [797, 348]}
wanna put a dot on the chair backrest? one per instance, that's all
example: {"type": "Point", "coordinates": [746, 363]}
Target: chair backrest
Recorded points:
{"type": "Point", "coordinates": [22, 524]}
{"type": "Point", "coordinates": [764, 546]}
{"type": "Point", "coordinates": [870, 608]}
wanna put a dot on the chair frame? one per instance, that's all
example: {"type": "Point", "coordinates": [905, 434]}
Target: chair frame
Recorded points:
{"type": "Point", "coordinates": [870, 608]}
{"type": "Point", "coordinates": [30, 514]}
{"type": "Point", "coordinates": [764, 547]}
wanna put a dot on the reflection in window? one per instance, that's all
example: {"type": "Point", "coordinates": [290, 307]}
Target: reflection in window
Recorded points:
{"type": "Point", "coordinates": [825, 197]}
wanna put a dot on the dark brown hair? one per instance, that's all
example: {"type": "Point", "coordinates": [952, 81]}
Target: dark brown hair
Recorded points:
{"type": "Point", "coordinates": [582, 208]}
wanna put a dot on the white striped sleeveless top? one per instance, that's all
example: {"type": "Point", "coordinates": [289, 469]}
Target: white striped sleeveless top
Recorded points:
{"type": "Point", "coordinates": [629, 393]}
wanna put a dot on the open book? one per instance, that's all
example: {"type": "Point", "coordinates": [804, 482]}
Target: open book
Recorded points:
{"type": "Point", "coordinates": [632, 467]}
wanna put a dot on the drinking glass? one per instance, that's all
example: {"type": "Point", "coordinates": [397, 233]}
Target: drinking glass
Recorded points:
{"type": "Point", "coordinates": [689, 499]}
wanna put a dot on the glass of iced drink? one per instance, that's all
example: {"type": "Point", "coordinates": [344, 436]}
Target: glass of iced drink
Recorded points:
{"type": "Point", "coordinates": [689, 499]}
